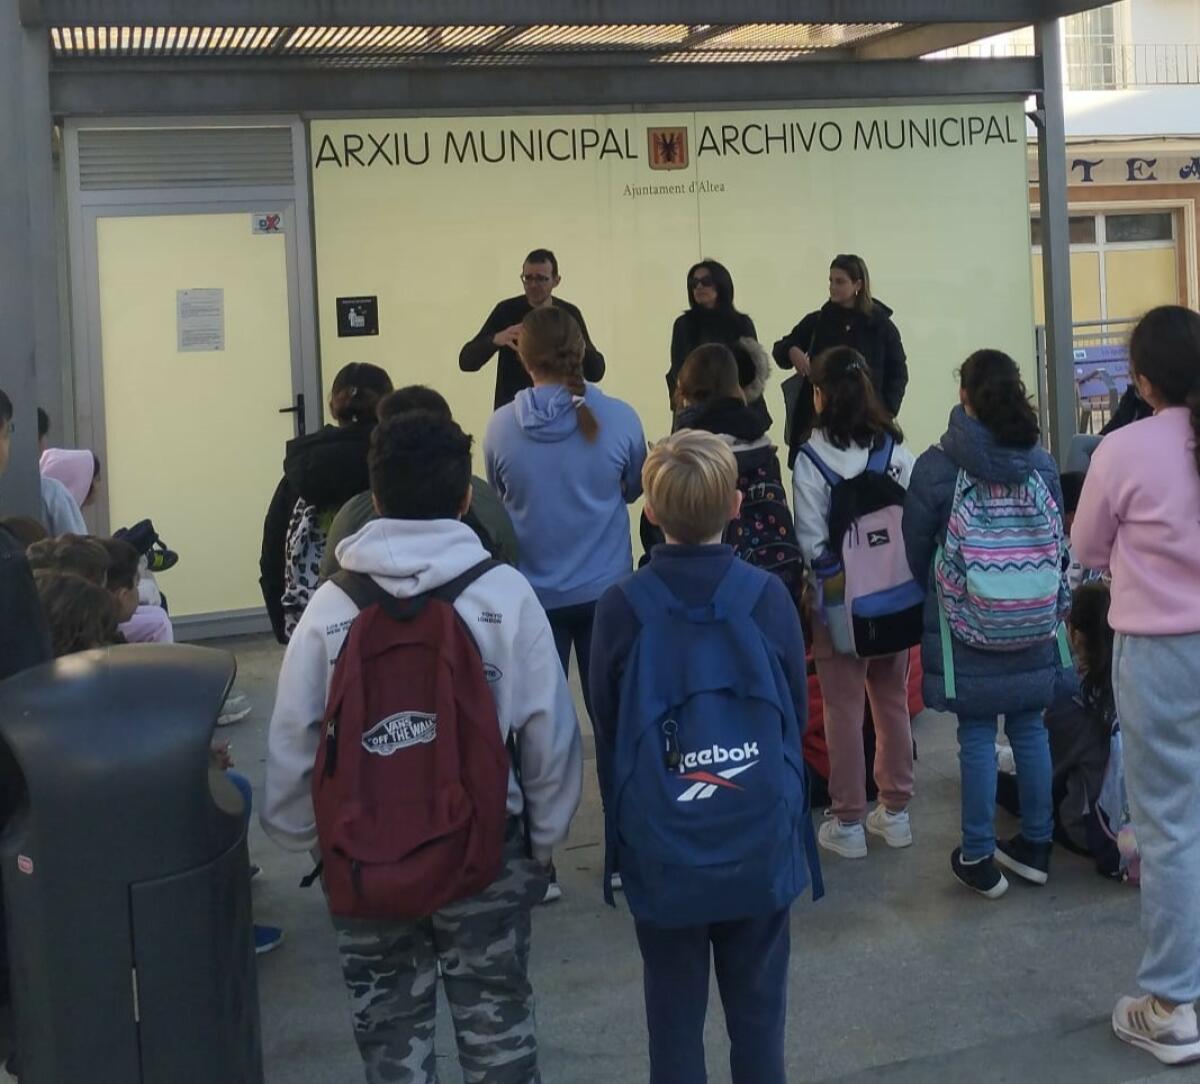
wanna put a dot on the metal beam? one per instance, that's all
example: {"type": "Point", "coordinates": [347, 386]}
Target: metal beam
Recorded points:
{"type": "Point", "coordinates": [266, 87]}
{"type": "Point", "coordinates": [1056, 243]}
{"type": "Point", "coordinates": [913, 41]}
{"type": "Point", "coordinates": [535, 12]}
{"type": "Point", "coordinates": [29, 287]}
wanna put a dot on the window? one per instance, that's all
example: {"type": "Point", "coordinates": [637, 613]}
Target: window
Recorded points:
{"type": "Point", "coordinates": [1094, 48]}
{"type": "Point", "coordinates": [1082, 229]}
{"type": "Point", "coordinates": [1138, 228]}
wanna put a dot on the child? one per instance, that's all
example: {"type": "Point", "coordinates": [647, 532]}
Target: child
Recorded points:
{"type": "Point", "coordinates": [420, 469]}
{"type": "Point", "coordinates": [79, 555]}
{"type": "Point", "coordinates": [1139, 517]}
{"type": "Point", "coordinates": [850, 422]}
{"type": "Point", "coordinates": [991, 454]}
{"type": "Point", "coordinates": [689, 645]}
{"type": "Point", "coordinates": [566, 459]}
{"type": "Point", "coordinates": [140, 624]}
{"type": "Point", "coordinates": [81, 615]}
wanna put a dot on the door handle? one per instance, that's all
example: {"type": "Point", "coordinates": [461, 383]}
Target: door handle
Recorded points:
{"type": "Point", "coordinates": [298, 410]}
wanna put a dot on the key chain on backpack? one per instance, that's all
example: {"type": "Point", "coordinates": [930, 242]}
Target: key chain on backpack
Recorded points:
{"type": "Point", "coordinates": [673, 757]}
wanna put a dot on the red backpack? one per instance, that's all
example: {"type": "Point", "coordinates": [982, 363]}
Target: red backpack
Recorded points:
{"type": "Point", "coordinates": [411, 780]}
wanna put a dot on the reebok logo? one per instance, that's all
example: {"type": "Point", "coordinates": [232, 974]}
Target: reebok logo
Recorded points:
{"type": "Point", "coordinates": [717, 755]}
{"type": "Point", "coordinates": [705, 784]}
{"type": "Point", "coordinates": [878, 538]}
{"type": "Point", "coordinates": [400, 731]}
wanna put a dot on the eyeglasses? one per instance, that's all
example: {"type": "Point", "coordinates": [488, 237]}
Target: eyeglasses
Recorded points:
{"type": "Point", "coordinates": [700, 280]}
{"type": "Point", "coordinates": [535, 280]}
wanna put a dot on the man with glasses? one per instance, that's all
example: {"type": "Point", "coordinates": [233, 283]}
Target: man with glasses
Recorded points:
{"type": "Point", "coordinates": [539, 276]}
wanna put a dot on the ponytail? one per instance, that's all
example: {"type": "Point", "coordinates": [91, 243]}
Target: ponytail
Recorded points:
{"type": "Point", "coordinates": [851, 412]}
{"type": "Point", "coordinates": [998, 397]}
{"type": "Point", "coordinates": [356, 392]}
{"type": "Point", "coordinates": [552, 346]}
{"type": "Point", "coordinates": [1165, 351]}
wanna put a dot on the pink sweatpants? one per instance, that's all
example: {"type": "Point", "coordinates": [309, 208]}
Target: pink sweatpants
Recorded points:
{"type": "Point", "coordinates": [846, 683]}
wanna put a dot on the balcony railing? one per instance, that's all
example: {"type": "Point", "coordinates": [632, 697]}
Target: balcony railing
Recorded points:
{"type": "Point", "coordinates": [1098, 65]}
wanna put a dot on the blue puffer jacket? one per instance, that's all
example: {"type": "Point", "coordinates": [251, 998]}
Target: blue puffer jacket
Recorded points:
{"type": "Point", "coordinates": [990, 683]}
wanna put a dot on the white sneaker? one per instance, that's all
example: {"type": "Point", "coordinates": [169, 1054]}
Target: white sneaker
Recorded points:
{"type": "Point", "coordinates": [553, 889]}
{"type": "Point", "coordinates": [848, 840]}
{"type": "Point", "coordinates": [1005, 762]}
{"type": "Point", "coordinates": [234, 710]}
{"type": "Point", "coordinates": [1173, 1037]}
{"type": "Point", "coordinates": [893, 828]}
{"type": "Point", "coordinates": [614, 882]}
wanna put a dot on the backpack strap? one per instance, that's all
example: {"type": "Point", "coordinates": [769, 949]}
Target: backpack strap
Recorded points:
{"type": "Point", "coordinates": [649, 596]}
{"type": "Point", "coordinates": [880, 459]}
{"type": "Point", "coordinates": [449, 592]}
{"type": "Point", "coordinates": [363, 591]}
{"type": "Point", "coordinates": [739, 590]}
{"type": "Point", "coordinates": [832, 478]}
{"type": "Point", "coordinates": [948, 675]}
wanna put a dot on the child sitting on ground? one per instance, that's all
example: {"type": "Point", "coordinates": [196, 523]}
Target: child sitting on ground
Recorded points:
{"type": "Point", "coordinates": [81, 615]}
{"type": "Point", "coordinates": [140, 624]}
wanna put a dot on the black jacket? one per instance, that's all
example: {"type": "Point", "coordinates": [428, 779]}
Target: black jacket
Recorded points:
{"type": "Point", "coordinates": [511, 376]}
{"type": "Point", "coordinates": [24, 638]}
{"type": "Point", "coordinates": [326, 469]}
{"type": "Point", "coordinates": [1132, 408]}
{"type": "Point", "coordinates": [872, 335]}
{"type": "Point", "coordinates": [699, 326]}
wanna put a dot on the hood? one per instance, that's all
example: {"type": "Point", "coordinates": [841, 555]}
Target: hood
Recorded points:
{"type": "Point", "coordinates": [754, 383]}
{"type": "Point", "coordinates": [547, 414]}
{"type": "Point", "coordinates": [971, 447]}
{"type": "Point", "coordinates": [408, 557]}
{"type": "Point", "coordinates": [725, 417]}
{"type": "Point", "coordinates": [879, 313]}
{"type": "Point", "coordinates": [329, 467]}
{"type": "Point", "coordinates": [848, 462]}
{"type": "Point", "coordinates": [75, 468]}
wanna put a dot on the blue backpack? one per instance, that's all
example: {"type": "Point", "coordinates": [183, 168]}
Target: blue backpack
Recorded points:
{"type": "Point", "coordinates": [709, 818]}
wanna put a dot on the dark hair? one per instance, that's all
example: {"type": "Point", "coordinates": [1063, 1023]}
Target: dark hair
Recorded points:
{"type": "Point", "coordinates": [357, 389]}
{"type": "Point", "coordinates": [25, 530]}
{"type": "Point", "coordinates": [420, 465]}
{"type": "Point", "coordinates": [43, 423]}
{"type": "Point", "coordinates": [1165, 351]}
{"type": "Point", "coordinates": [123, 562]}
{"type": "Point", "coordinates": [81, 615]}
{"type": "Point", "coordinates": [855, 268]}
{"type": "Point", "coordinates": [998, 397]}
{"type": "Point", "coordinates": [1089, 618]}
{"type": "Point", "coordinates": [414, 397]}
{"type": "Point", "coordinates": [722, 283]}
{"type": "Point", "coordinates": [78, 554]}
{"type": "Point", "coordinates": [852, 412]}
{"type": "Point", "coordinates": [709, 372]}
{"type": "Point", "coordinates": [1072, 489]}
{"type": "Point", "coordinates": [552, 345]}
{"type": "Point", "coordinates": [6, 407]}
{"type": "Point", "coordinates": [544, 255]}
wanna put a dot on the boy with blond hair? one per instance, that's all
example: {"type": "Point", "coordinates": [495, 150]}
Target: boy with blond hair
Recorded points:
{"type": "Point", "coordinates": [699, 692]}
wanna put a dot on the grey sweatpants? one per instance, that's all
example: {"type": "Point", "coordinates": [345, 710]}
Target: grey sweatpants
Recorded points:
{"type": "Point", "coordinates": [1157, 685]}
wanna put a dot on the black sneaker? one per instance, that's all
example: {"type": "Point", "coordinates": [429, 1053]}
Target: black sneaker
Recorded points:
{"type": "Point", "coordinates": [982, 876]}
{"type": "Point", "coordinates": [1028, 860]}
{"type": "Point", "coordinates": [160, 559]}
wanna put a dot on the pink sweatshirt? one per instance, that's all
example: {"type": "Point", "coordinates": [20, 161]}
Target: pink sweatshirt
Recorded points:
{"type": "Point", "coordinates": [1139, 516]}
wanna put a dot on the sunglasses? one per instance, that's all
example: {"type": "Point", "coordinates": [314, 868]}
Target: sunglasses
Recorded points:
{"type": "Point", "coordinates": [700, 280]}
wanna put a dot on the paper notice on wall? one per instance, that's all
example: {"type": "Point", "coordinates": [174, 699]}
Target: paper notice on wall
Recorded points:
{"type": "Point", "coordinates": [201, 320]}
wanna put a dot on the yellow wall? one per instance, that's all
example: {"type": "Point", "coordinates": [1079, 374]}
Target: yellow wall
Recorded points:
{"type": "Point", "coordinates": [1140, 279]}
{"type": "Point", "coordinates": [944, 230]}
{"type": "Point", "coordinates": [1085, 288]}
{"type": "Point", "coordinates": [195, 440]}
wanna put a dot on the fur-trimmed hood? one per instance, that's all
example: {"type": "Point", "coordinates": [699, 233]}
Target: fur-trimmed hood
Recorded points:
{"type": "Point", "coordinates": [762, 369]}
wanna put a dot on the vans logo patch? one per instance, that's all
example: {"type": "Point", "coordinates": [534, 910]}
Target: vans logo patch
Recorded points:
{"type": "Point", "coordinates": [878, 538]}
{"type": "Point", "coordinates": [487, 617]}
{"type": "Point", "coordinates": [400, 731]}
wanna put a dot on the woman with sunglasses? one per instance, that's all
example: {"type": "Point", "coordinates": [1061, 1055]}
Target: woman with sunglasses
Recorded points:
{"type": "Point", "coordinates": [712, 318]}
{"type": "Point", "coordinates": [851, 317]}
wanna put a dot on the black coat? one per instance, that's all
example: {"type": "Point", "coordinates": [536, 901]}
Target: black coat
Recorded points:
{"type": "Point", "coordinates": [326, 469]}
{"type": "Point", "coordinates": [698, 327]}
{"type": "Point", "coordinates": [873, 335]}
{"type": "Point", "coordinates": [24, 638]}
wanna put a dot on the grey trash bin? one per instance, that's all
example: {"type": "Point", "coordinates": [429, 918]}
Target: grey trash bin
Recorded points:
{"type": "Point", "coordinates": [125, 871]}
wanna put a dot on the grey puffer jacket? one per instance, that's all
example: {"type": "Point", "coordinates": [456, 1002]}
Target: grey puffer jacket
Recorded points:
{"type": "Point", "coordinates": [990, 683]}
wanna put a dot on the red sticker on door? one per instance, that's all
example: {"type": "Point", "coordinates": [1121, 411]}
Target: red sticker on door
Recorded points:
{"type": "Point", "coordinates": [25, 864]}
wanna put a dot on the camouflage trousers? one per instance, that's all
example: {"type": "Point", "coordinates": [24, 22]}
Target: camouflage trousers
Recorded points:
{"type": "Point", "coordinates": [482, 944]}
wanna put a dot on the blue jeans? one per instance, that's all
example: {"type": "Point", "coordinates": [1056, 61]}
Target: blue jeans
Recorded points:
{"type": "Point", "coordinates": [247, 791]}
{"type": "Point", "coordinates": [1026, 732]}
{"type": "Point", "coordinates": [751, 959]}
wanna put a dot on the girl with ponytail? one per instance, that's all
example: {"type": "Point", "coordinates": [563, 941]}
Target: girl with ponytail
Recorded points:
{"type": "Point", "coordinates": [566, 459]}
{"type": "Point", "coordinates": [1139, 517]}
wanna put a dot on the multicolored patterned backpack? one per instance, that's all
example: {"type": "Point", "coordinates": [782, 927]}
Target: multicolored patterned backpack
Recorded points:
{"type": "Point", "coordinates": [764, 534]}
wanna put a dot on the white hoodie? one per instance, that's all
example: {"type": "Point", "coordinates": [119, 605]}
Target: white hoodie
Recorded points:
{"type": "Point", "coordinates": [411, 557]}
{"type": "Point", "coordinates": [811, 493]}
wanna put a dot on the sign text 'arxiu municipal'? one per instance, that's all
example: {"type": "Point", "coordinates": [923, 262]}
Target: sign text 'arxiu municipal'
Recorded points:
{"type": "Point", "coordinates": [660, 148]}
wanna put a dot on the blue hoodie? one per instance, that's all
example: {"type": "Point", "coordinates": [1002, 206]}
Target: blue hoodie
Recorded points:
{"type": "Point", "coordinates": [566, 496]}
{"type": "Point", "coordinates": [990, 683]}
